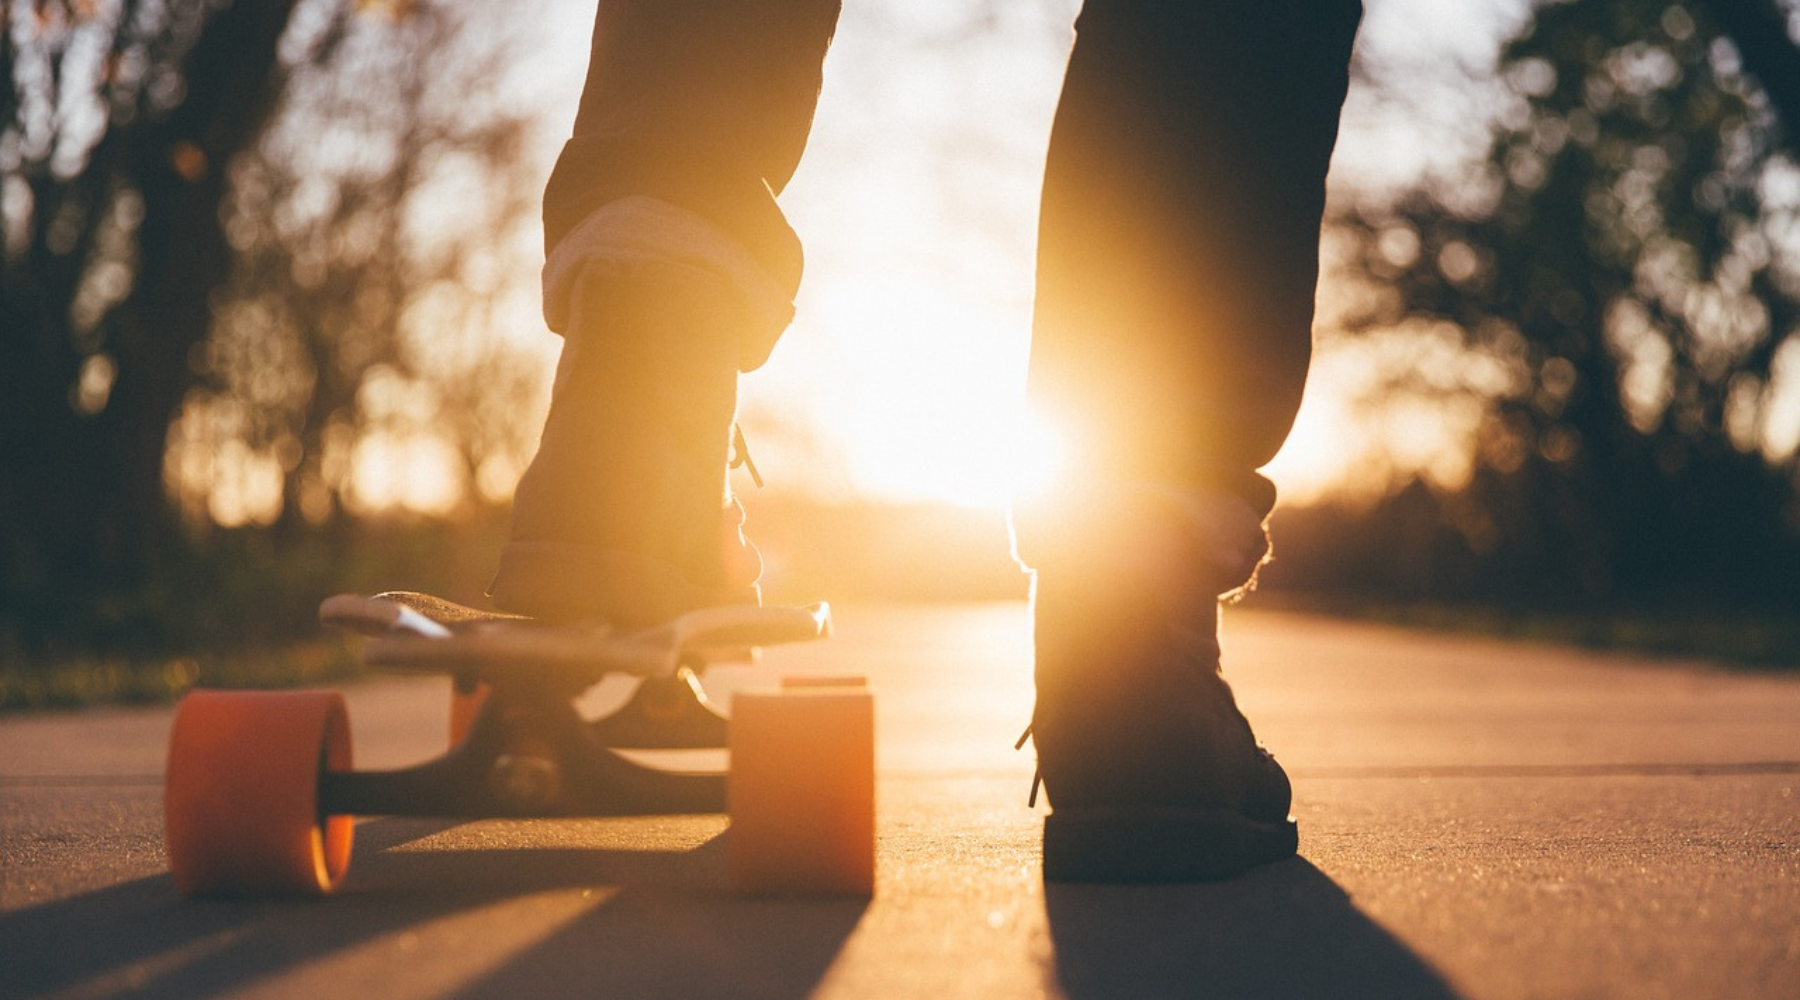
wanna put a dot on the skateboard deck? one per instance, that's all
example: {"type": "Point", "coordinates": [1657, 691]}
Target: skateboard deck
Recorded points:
{"type": "Point", "coordinates": [538, 662]}
{"type": "Point", "coordinates": [421, 632]}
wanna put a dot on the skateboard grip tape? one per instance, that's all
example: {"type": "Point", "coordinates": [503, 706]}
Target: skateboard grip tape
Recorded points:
{"type": "Point", "coordinates": [801, 792]}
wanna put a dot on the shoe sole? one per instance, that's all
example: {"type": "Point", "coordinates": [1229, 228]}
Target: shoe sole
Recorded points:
{"type": "Point", "coordinates": [1159, 844]}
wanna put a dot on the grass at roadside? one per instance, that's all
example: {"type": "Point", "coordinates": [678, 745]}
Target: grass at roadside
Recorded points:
{"type": "Point", "coordinates": [1736, 639]}
{"type": "Point", "coordinates": [80, 682]}
{"type": "Point", "coordinates": [240, 611]}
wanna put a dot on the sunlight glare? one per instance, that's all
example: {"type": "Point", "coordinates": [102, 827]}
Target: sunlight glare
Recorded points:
{"type": "Point", "coordinates": [925, 393]}
{"type": "Point", "coordinates": [1039, 457]}
{"type": "Point", "coordinates": [1310, 461]}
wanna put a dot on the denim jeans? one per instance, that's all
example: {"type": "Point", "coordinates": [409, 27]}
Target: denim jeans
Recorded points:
{"type": "Point", "coordinates": [1178, 245]}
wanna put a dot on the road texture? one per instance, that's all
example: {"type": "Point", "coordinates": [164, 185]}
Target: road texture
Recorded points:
{"type": "Point", "coordinates": [1477, 820]}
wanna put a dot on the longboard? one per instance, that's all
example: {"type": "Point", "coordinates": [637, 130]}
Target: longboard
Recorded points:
{"type": "Point", "coordinates": [261, 794]}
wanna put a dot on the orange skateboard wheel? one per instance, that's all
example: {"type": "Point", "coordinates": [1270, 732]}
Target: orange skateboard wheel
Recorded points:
{"type": "Point", "coordinates": [464, 707]}
{"type": "Point", "coordinates": [241, 799]}
{"type": "Point", "coordinates": [801, 792]}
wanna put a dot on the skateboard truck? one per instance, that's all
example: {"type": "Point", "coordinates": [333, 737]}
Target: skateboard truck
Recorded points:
{"type": "Point", "coordinates": [526, 750]}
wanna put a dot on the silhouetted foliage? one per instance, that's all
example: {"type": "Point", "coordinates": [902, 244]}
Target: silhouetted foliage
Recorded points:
{"type": "Point", "coordinates": [378, 229]}
{"type": "Point", "coordinates": [119, 123]}
{"type": "Point", "coordinates": [1621, 275]}
{"type": "Point", "coordinates": [242, 240]}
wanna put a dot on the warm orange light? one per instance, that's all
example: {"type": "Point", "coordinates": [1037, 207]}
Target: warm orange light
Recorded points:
{"type": "Point", "coordinates": [1039, 458]}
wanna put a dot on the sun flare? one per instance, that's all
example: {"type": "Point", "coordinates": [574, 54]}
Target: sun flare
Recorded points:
{"type": "Point", "coordinates": [914, 391]}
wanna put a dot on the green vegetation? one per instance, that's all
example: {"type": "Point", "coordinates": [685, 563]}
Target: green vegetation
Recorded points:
{"type": "Point", "coordinates": [124, 680]}
{"type": "Point", "coordinates": [230, 287]}
{"type": "Point", "coordinates": [1615, 289]}
{"type": "Point", "coordinates": [1739, 640]}
{"type": "Point", "coordinates": [239, 263]}
{"type": "Point", "coordinates": [236, 611]}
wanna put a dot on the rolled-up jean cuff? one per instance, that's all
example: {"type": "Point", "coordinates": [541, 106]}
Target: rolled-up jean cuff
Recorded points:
{"type": "Point", "coordinates": [639, 229]}
{"type": "Point", "coordinates": [1190, 540]}
{"type": "Point", "coordinates": [594, 171]}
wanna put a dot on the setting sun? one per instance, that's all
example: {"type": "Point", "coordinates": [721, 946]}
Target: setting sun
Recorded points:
{"type": "Point", "coordinates": [902, 378]}
{"type": "Point", "coordinates": [920, 391]}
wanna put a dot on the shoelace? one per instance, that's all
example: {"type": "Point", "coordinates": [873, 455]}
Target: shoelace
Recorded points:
{"type": "Point", "coordinates": [1037, 773]}
{"type": "Point", "coordinates": [740, 454]}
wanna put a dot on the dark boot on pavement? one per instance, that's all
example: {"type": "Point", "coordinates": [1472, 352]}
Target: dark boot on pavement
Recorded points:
{"type": "Point", "coordinates": [1152, 773]}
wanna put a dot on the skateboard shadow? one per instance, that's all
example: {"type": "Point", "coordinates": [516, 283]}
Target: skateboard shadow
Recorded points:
{"type": "Point", "coordinates": [661, 924]}
{"type": "Point", "coordinates": [665, 926]}
{"type": "Point", "coordinates": [684, 939]}
{"type": "Point", "coordinates": [1284, 930]}
{"type": "Point", "coordinates": [141, 938]}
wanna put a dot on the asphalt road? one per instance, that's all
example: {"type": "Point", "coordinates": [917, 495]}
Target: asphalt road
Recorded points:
{"type": "Point", "coordinates": [1477, 819]}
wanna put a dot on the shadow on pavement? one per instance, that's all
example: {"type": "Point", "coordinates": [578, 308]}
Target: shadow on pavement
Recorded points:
{"type": "Point", "coordinates": [1282, 931]}
{"type": "Point", "coordinates": [664, 926]}
{"type": "Point", "coordinates": [139, 937]}
{"type": "Point", "coordinates": [661, 941]}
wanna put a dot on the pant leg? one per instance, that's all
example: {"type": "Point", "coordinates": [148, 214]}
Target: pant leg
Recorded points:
{"type": "Point", "coordinates": [665, 251]}
{"type": "Point", "coordinates": [705, 104]}
{"type": "Point", "coordinates": [1178, 250]}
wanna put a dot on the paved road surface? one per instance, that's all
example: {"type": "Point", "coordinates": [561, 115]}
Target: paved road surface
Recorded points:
{"type": "Point", "coordinates": [1477, 820]}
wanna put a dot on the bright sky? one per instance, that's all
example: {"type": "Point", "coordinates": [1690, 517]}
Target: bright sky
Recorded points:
{"type": "Point", "coordinates": [918, 204]}
{"type": "Point", "coordinates": [902, 378]}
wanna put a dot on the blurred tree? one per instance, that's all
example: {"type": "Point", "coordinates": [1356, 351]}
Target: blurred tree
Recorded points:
{"type": "Point", "coordinates": [379, 228]}
{"type": "Point", "coordinates": [117, 122]}
{"type": "Point", "coordinates": [1622, 273]}
{"type": "Point", "coordinates": [241, 239]}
